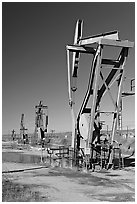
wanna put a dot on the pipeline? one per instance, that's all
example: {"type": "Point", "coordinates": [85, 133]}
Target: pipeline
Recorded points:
{"type": "Point", "coordinates": [22, 170]}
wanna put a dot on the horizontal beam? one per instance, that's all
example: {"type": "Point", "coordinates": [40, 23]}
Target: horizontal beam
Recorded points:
{"type": "Point", "coordinates": [116, 43]}
{"type": "Point", "coordinates": [108, 42]}
{"type": "Point", "coordinates": [113, 35]}
{"type": "Point", "coordinates": [23, 129]}
{"type": "Point", "coordinates": [86, 110]}
{"type": "Point", "coordinates": [81, 49]}
{"type": "Point", "coordinates": [110, 62]}
{"type": "Point", "coordinates": [111, 68]}
{"type": "Point", "coordinates": [41, 106]}
{"type": "Point", "coordinates": [107, 112]}
{"type": "Point", "coordinates": [127, 94]}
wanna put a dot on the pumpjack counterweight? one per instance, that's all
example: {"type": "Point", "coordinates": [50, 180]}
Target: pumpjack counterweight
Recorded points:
{"type": "Point", "coordinates": [86, 126]}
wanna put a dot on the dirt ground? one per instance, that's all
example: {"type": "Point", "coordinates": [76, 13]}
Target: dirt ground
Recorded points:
{"type": "Point", "coordinates": [67, 185]}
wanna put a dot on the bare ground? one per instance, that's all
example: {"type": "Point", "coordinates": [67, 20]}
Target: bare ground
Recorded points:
{"type": "Point", "coordinates": [67, 185]}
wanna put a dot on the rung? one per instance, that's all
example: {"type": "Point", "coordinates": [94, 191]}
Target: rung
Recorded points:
{"type": "Point", "coordinates": [41, 106]}
{"type": "Point", "coordinates": [128, 94]}
{"type": "Point", "coordinates": [81, 49]}
{"type": "Point", "coordinates": [110, 62]}
{"type": "Point", "coordinates": [112, 68]}
{"type": "Point", "coordinates": [106, 112]}
{"type": "Point", "coordinates": [86, 110]}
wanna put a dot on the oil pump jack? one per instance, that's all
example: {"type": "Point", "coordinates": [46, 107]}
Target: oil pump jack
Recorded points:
{"type": "Point", "coordinates": [40, 128]}
{"type": "Point", "coordinates": [23, 133]}
{"type": "Point", "coordinates": [86, 126]}
{"type": "Point", "coordinates": [13, 135]}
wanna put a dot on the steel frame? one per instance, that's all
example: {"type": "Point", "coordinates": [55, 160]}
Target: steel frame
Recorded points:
{"type": "Point", "coordinates": [96, 45]}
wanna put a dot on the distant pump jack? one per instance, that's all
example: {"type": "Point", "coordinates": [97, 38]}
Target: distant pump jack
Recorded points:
{"type": "Point", "coordinates": [23, 131]}
{"type": "Point", "coordinates": [40, 117]}
{"type": "Point", "coordinates": [13, 135]}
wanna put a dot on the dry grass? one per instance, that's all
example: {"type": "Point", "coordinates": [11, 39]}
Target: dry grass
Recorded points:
{"type": "Point", "coordinates": [13, 192]}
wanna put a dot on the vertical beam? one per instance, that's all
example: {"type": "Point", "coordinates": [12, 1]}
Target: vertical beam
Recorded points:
{"type": "Point", "coordinates": [127, 132]}
{"type": "Point", "coordinates": [71, 103]}
{"type": "Point", "coordinates": [69, 78]}
{"type": "Point", "coordinates": [120, 115]}
{"type": "Point", "coordinates": [73, 127]}
{"type": "Point", "coordinates": [132, 85]}
{"type": "Point", "coordinates": [115, 118]}
{"type": "Point", "coordinates": [46, 124]}
{"type": "Point", "coordinates": [22, 126]}
{"type": "Point", "coordinates": [95, 86]}
{"type": "Point", "coordinates": [75, 62]}
{"type": "Point", "coordinates": [76, 55]}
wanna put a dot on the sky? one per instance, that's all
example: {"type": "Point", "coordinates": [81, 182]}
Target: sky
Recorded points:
{"type": "Point", "coordinates": [34, 62]}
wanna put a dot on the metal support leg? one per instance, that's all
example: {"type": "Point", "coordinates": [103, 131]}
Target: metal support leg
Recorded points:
{"type": "Point", "coordinates": [97, 71]}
